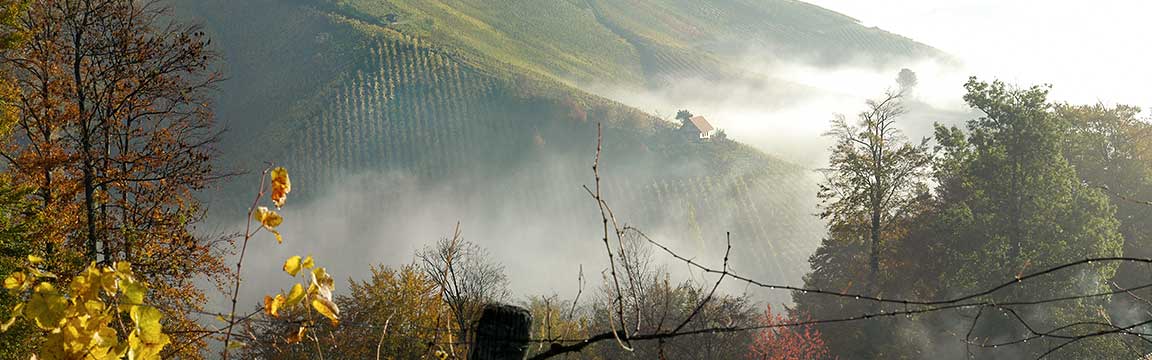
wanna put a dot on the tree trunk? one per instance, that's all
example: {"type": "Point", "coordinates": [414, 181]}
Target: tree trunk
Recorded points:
{"type": "Point", "coordinates": [877, 202]}
{"type": "Point", "coordinates": [85, 147]}
{"type": "Point", "coordinates": [874, 254]}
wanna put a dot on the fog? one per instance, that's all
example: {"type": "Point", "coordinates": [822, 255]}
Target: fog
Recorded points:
{"type": "Point", "coordinates": [1091, 51]}
{"type": "Point", "coordinates": [537, 222]}
{"type": "Point", "coordinates": [783, 107]}
{"type": "Point", "coordinates": [1022, 42]}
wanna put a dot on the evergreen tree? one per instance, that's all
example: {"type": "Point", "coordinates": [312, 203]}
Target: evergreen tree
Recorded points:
{"type": "Point", "coordinates": [1014, 205]}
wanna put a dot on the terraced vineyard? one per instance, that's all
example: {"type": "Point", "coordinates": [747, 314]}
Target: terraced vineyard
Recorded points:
{"type": "Point", "coordinates": [403, 98]}
{"type": "Point", "coordinates": [475, 97]}
{"type": "Point", "coordinates": [638, 41]}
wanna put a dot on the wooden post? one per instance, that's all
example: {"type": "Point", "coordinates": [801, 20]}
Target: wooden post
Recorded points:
{"type": "Point", "coordinates": [502, 333]}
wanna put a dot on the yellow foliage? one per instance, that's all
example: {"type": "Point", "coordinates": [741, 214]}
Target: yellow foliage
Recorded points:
{"type": "Point", "coordinates": [295, 295]}
{"type": "Point", "coordinates": [292, 265]}
{"type": "Point", "coordinates": [16, 281]}
{"type": "Point", "coordinates": [272, 305]}
{"type": "Point", "coordinates": [404, 298]}
{"type": "Point", "coordinates": [46, 306]}
{"type": "Point", "coordinates": [78, 325]}
{"type": "Point", "coordinates": [327, 308]}
{"type": "Point", "coordinates": [269, 219]}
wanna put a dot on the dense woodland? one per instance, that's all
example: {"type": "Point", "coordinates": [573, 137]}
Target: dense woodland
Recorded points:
{"type": "Point", "coordinates": [1022, 233]}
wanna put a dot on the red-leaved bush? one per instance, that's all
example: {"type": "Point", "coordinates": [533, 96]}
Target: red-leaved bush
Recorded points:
{"type": "Point", "coordinates": [801, 342]}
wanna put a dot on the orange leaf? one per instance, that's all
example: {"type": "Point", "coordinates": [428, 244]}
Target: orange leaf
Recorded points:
{"type": "Point", "coordinates": [281, 186]}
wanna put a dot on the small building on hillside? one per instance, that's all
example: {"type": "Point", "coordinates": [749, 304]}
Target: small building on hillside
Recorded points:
{"type": "Point", "coordinates": [699, 126]}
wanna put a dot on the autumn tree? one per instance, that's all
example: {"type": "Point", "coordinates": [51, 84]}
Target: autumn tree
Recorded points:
{"type": "Point", "coordinates": [467, 280]}
{"type": "Point", "coordinates": [1111, 148]}
{"type": "Point", "coordinates": [18, 216]}
{"type": "Point", "coordinates": [874, 186]}
{"type": "Point", "coordinates": [874, 177]}
{"type": "Point", "coordinates": [398, 312]}
{"type": "Point", "coordinates": [18, 219]}
{"type": "Point", "coordinates": [395, 314]}
{"type": "Point", "coordinates": [555, 318]}
{"type": "Point", "coordinates": [114, 131]}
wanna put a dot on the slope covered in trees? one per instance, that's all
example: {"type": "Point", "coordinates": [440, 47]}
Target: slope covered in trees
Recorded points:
{"type": "Point", "coordinates": [1027, 185]}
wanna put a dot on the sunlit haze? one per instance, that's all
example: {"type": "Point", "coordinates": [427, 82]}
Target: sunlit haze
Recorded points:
{"type": "Point", "coordinates": [1089, 50]}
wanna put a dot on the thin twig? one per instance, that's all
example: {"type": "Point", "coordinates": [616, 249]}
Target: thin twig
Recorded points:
{"type": "Point", "coordinates": [710, 293]}
{"type": "Point", "coordinates": [608, 247]}
{"type": "Point", "coordinates": [240, 262]}
{"type": "Point", "coordinates": [383, 333]}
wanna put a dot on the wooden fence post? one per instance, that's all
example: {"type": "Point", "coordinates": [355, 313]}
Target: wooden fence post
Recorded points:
{"type": "Point", "coordinates": [502, 333]}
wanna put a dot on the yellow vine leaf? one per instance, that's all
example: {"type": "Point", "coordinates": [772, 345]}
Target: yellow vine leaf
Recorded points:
{"type": "Point", "coordinates": [269, 219]}
{"type": "Point", "coordinates": [313, 289]}
{"type": "Point", "coordinates": [87, 285]}
{"type": "Point", "coordinates": [105, 343]}
{"type": "Point", "coordinates": [46, 307]}
{"type": "Point", "coordinates": [277, 303]}
{"type": "Point", "coordinates": [294, 296]}
{"type": "Point", "coordinates": [327, 308]}
{"type": "Point", "coordinates": [123, 268]}
{"type": "Point", "coordinates": [292, 265]}
{"type": "Point", "coordinates": [16, 281]}
{"type": "Point", "coordinates": [308, 263]}
{"type": "Point", "coordinates": [272, 305]}
{"type": "Point", "coordinates": [77, 325]}
{"type": "Point", "coordinates": [133, 293]}
{"type": "Point", "coordinates": [148, 339]}
{"type": "Point", "coordinates": [281, 186]}
{"type": "Point", "coordinates": [108, 281]}
{"type": "Point", "coordinates": [35, 259]}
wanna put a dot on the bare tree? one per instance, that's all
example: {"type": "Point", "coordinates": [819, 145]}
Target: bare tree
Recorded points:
{"type": "Point", "coordinates": [468, 279]}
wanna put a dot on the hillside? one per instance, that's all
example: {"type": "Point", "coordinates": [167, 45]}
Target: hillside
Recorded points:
{"type": "Point", "coordinates": [637, 41]}
{"type": "Point", "coordinates": [476, 101]}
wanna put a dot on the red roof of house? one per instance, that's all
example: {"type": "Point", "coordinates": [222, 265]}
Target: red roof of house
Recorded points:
{"type": "Point", "coordinates": [701, 124]}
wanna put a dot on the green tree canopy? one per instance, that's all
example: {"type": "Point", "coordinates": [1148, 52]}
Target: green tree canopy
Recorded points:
{"type": "Point", "coordinates": [1014, 205]}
